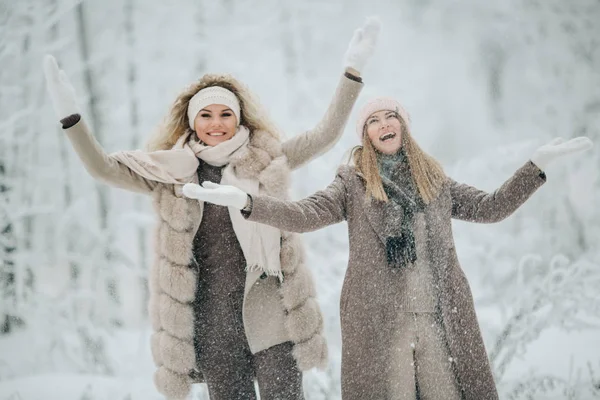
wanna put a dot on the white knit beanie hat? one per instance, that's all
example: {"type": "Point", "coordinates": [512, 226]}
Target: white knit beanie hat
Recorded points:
{"type": "Point", "coordinates": [379, 104]}
{"type": "Point", "coordinates": [212, 95]}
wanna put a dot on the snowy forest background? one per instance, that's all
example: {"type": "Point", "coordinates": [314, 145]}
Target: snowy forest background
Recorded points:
{"type": "Point", "coordinates": [485, 84]}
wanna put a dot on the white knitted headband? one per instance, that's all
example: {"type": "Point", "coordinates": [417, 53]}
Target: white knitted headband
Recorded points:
{"type": "Point", "coordinates": [212, 95]}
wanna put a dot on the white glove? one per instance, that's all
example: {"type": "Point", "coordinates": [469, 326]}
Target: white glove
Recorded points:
{"type": "Point", "coordinates": [222, 195]}
{"type": "Point", "coordinates": [558, 148]}
{"type": "Point", "coordinates": [60, 89]}
{"type": "Point", "coordinates": [363, 44]}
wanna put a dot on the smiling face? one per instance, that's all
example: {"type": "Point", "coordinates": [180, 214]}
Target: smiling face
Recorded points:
{"type": "Point", "coordinates": [215, 124]}
{"type": "Point", "coordinates": [384, 129]}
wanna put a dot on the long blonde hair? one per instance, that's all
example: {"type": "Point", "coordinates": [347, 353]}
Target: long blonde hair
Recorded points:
{"type": "Point", "coordinates": [427, 174]}
{"type": "Point", "coordinates": [175, 124]}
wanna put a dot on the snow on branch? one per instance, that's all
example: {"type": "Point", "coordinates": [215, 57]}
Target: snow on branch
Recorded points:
{"type": "Point", "coordinates": [565, 296]}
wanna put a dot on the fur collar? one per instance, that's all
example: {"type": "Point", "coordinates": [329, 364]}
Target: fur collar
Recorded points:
{"type": "Point", "coordinates": [263, 159]}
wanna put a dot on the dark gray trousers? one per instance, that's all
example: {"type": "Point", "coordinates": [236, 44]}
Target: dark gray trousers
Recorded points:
{"type": "Point", "coordinates": [232, 378]}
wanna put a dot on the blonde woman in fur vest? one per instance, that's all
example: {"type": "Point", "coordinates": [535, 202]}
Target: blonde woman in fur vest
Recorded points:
{"type": "Point", "coordinates": [409, 328]}
{"type": "Point", "coordinates": [231, 300]}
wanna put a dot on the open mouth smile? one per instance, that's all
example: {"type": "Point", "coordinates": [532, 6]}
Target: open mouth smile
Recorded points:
{"type": "Point", "coordinates": [387, 137]}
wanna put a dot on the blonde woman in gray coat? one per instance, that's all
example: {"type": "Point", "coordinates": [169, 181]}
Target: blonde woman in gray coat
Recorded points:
{"type": "Point", "coordinates": [409, 328]}
{"type": "Point", "coordinates": [231, 300]}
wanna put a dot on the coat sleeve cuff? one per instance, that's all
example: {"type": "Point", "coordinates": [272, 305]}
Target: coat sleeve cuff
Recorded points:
{"type": "Point", "coordinates": [353, 77]}
{"type": "Point", "coordinates": [70, 121]}
{"type": "Point", "coordinates": [541, 173]}
{"type": "Point", "coordinates": [530, 177]}
{"type": "Point", "coordinates": [246, 211]}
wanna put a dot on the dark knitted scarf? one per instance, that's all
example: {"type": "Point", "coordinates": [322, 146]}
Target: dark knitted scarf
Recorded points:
{"type": "Point", "coordinates": [404, 203]}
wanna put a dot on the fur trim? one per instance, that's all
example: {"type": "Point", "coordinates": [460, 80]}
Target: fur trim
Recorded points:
{"type": "Point", "coordinates": [177, 355]}
{"type": "Point", "coordinates": [266, 141]}
{"type": "Point", "coordinates": [178, 281]}
{"type": "Point", "coordinates": [311, 354]}
{"type": "Point", "coordinates": [276, 177]}
{"type": "Point", "coordinates": [172, 288]}
{"type": "Point", "coordinates": [261, 151]}
{"type": "Point", "coordinates": [249, 163]}
{"type": "Point", "coordinates": [177, 318]}
{"type": "Point", "coordinates": [292, 252]}
{"type": "Point", "coordinates": [304, 322]}
{"type": "Point", "coordinates": [175, 246]}
{"type": "Point", "coordinates": [296, 288]}
{"type": "Point", "coordinates": [176, 211]}
{"type": "Point", "coordinates": [172, 385]}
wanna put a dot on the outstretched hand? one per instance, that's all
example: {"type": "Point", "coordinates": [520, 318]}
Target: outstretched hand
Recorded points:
{"type": "Point", "coordinates": [60, 89]}
{"type": "Point", "coordinates": [559, 147]}
{"type": "Point", "coordinates": [362, 45]}
{"type": "Point", "coordinates": [222, 195]}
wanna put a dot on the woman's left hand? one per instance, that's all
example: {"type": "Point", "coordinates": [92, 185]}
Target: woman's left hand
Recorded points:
{"type": "Point", "coordinates": [362, 45]}
{"type": "Point", "coordinates": [558, 148]}
{"type": "Point", "coordinates": [222, 195]}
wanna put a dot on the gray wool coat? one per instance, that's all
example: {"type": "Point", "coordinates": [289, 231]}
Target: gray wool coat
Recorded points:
{"type": "Point", "coordinates": [373, 292]}
{"type": "Point", "coordinates": [272, 313]}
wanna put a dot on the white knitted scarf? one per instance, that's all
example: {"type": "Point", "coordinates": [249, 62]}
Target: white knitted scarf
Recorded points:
{"type": "Point", "coordinates": [260, 243]}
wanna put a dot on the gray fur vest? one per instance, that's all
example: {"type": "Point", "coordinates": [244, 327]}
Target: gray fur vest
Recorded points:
{"type": "Point", "coordinates": [272, 315]}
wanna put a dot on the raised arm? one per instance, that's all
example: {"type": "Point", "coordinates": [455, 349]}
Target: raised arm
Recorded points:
{"type": "Point", "coordinates": [100, 165]}
{"type": "Point", "coordinates": [308, 145]}
{"type": "Point", "coordinates": [323, 208]}
{"type": "Point", "coordinates": [475, 205]}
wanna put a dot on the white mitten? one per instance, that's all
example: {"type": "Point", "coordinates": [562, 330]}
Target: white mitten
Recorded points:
{"type": "Point", "coordinates": [558, 148]}
{"type": "Point", "coordinates": [362, 45]}
{"type": "Point", "coordinates": [222, 195]}
{"type": "Point", "coordinates": [60, 89]}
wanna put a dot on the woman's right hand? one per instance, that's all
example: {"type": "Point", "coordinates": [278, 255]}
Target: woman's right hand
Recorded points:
{"type": "Point", "coordinates": [60, 89]}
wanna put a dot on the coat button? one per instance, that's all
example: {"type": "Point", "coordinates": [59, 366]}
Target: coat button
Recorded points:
{"type": "Point", "coordinates": [263, 275]}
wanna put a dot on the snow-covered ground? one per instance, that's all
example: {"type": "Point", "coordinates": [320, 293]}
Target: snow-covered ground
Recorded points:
{"type": "Point", "coordinates": [555, 353]}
